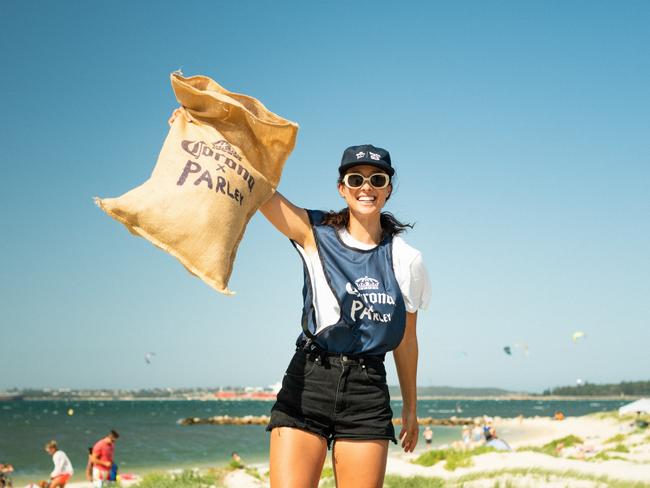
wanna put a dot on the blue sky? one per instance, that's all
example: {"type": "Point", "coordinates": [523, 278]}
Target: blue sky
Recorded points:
{"type": "Point", "coordinates": [519, 131]}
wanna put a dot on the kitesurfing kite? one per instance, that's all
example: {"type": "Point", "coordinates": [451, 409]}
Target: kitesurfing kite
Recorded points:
{"type": "Point", "coordinates": [508, 350]}
{"type": "Point", "coordinates": [148, 356]}
{"type": "Point", "coordinates": [524, 347]}
{"type": "Point", "coordinates": [577, 336]}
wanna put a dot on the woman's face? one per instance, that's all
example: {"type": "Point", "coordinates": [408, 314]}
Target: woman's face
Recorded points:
{"type": "Point", "coordinates": [365, 200]}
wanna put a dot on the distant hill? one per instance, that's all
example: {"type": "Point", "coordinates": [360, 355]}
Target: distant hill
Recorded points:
{"type": "Point", "coordinates": [628, 388]}
{"type": "Point", "coordinates": [451, 391]}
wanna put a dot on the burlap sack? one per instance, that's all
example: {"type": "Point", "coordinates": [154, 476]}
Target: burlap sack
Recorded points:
{"type": "Point", "coordinates": [223, 158]}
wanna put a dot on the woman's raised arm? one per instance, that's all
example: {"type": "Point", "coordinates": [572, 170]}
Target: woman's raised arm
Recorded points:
{"type": "Point", "coordinates": [292, 221]}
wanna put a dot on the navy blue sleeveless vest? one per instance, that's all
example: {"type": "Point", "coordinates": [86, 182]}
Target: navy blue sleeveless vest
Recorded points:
{"type": "Point", "coordinates": [373, 314]}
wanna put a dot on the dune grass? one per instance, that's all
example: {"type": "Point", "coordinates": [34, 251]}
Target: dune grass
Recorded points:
{"type": "Point", "coordinates": [620, 448]}
{"type": "Point", "coordinates": [616, 438]}
{"type": "Point", "coordinates": [454, 458]}
{"type": "Point", "coordinates": [210, 478]}
{"type": "Point", "coordinates": [545, 475]}
{"type": "Point", "coordinates": [612, 414]}
{"type": "Point", "coordinates": [391, 481]}
{"type": "Point", "coordinates": [505, 478]}
{"type": "Point", "coordinates": [552, 448]}
{"type": "Point", "coordinates": [187, 479]}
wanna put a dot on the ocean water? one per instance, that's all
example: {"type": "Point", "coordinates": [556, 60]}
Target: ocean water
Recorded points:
{"type": "Point", "coordinates": [150, 436]}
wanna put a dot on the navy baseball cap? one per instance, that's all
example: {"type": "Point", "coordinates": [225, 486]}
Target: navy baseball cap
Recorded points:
{"type": "Point", "coordinates": [366, 154]}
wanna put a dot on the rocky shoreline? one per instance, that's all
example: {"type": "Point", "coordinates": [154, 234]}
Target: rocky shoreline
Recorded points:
{"type": "Point", "coordinates": [264, 420]}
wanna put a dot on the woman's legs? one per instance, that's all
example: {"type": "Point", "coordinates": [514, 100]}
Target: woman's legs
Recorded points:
{"type": "Point", "coordinates": [297, 458]}
{"type": "Point", "coordinates": [360, 464]}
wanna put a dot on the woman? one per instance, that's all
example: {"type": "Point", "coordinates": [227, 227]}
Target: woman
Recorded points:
{"type": "Point", "coordinates": [363, 287]}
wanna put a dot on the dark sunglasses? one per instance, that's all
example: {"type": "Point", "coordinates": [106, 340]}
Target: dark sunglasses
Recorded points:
{"type": "Point", "coordinates": [356, 180]}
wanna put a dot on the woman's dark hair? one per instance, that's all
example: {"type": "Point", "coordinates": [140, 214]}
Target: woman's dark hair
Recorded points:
{"type": "Point", "coordinates": [390, 226]}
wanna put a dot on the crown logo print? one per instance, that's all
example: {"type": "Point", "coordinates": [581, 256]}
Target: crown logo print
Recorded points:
{"type": "Point", "coordinates": [224, 146]}
{"type": "Point", "coordinates": [367, 283]}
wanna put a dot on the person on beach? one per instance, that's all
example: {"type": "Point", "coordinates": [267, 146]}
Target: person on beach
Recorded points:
{"type": "Point", "coordinates": [236, 461]}
{"type": "Point", "coordinates": [428, 436]}
{"type": "Point", "coordinates": [466, 436]}
{"type": "Point", "coordinates": [363, 287]}
{"type": "Point", "coordinates": [478, 438]}
{"type": "Point", "coordinates": [102, 459]}
{"type": "Point", "coordinates": [5, 479]}
{"type": "Point", "coordinates": [62, 466]}
{"type": "Point", "coordinates": [89, 465]}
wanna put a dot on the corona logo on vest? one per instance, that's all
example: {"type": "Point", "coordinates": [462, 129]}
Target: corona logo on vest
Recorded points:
{"type": "Point", "coordinates": [362, 305]}
{"type": "Point", "coordinates": [367, 283]}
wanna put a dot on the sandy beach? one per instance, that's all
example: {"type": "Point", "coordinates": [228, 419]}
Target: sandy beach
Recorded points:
{"type": "Point", "coordinates": [612, 450]}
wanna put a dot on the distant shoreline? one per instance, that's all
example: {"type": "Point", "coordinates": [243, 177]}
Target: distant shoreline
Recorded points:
{"type": "Point", "coordinates": [395, 398]}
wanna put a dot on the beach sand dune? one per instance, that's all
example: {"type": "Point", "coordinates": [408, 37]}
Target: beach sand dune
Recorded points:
{"type": "Point", "coordinates": [613, 450]}
{"type": "Point", "coordinates": [573, 466]}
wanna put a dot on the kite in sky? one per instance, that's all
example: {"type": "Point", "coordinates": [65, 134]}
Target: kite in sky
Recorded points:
{"type": "Point", "coordinates": [524, 347]}
{"type": "Point", "coordinates": [577, 336]}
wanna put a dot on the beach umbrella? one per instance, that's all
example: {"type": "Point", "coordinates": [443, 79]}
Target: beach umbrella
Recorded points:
{"type": "Point", "coordinates": [642, 405]}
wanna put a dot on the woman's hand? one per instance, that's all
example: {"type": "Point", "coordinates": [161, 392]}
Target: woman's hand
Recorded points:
{"type": "Point", "coordinates": [176, 113]}
{"type": "Point", "coordinates": [410, 432]}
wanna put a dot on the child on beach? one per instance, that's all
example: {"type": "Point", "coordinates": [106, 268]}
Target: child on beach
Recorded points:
{"type": "Point", "coordinates": [428, 436]}
{"type": "Point", "coordinates": [363, 288]}
{"type": "Point", "coordinates": [62, 466]}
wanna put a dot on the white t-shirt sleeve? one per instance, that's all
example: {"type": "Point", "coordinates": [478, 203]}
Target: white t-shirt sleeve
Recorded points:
{"type": "Point", "coordinates": [412, 276]}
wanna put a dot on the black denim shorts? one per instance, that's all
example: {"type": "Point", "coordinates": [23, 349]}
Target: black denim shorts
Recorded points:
{"type": "Point", "coordinates": [336, 397]}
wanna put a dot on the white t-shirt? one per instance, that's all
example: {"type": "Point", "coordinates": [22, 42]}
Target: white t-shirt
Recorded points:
{"type": "Point", "coordinates": [409, 270]}
{"type": "Point", "coordinates": [62, 464]}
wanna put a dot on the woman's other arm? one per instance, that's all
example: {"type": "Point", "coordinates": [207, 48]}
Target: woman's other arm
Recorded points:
{"type": "Point", "coordinates": [406, 361]}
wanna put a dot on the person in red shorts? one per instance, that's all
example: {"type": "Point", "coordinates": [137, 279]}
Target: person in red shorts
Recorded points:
{"type": "Point", "coordinates": [102, 459]}
{"type": "Point", "coordinates": [62, 466]}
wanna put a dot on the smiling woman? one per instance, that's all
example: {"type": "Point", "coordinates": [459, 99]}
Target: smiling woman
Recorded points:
{"type": "Point", "coordinates": [363, 288]}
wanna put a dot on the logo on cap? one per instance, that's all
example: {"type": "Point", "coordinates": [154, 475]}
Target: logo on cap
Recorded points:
{"type": "Point", "coordinates": [360, 155]}
{"type": "Point", "coordinates": [374, 156]}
